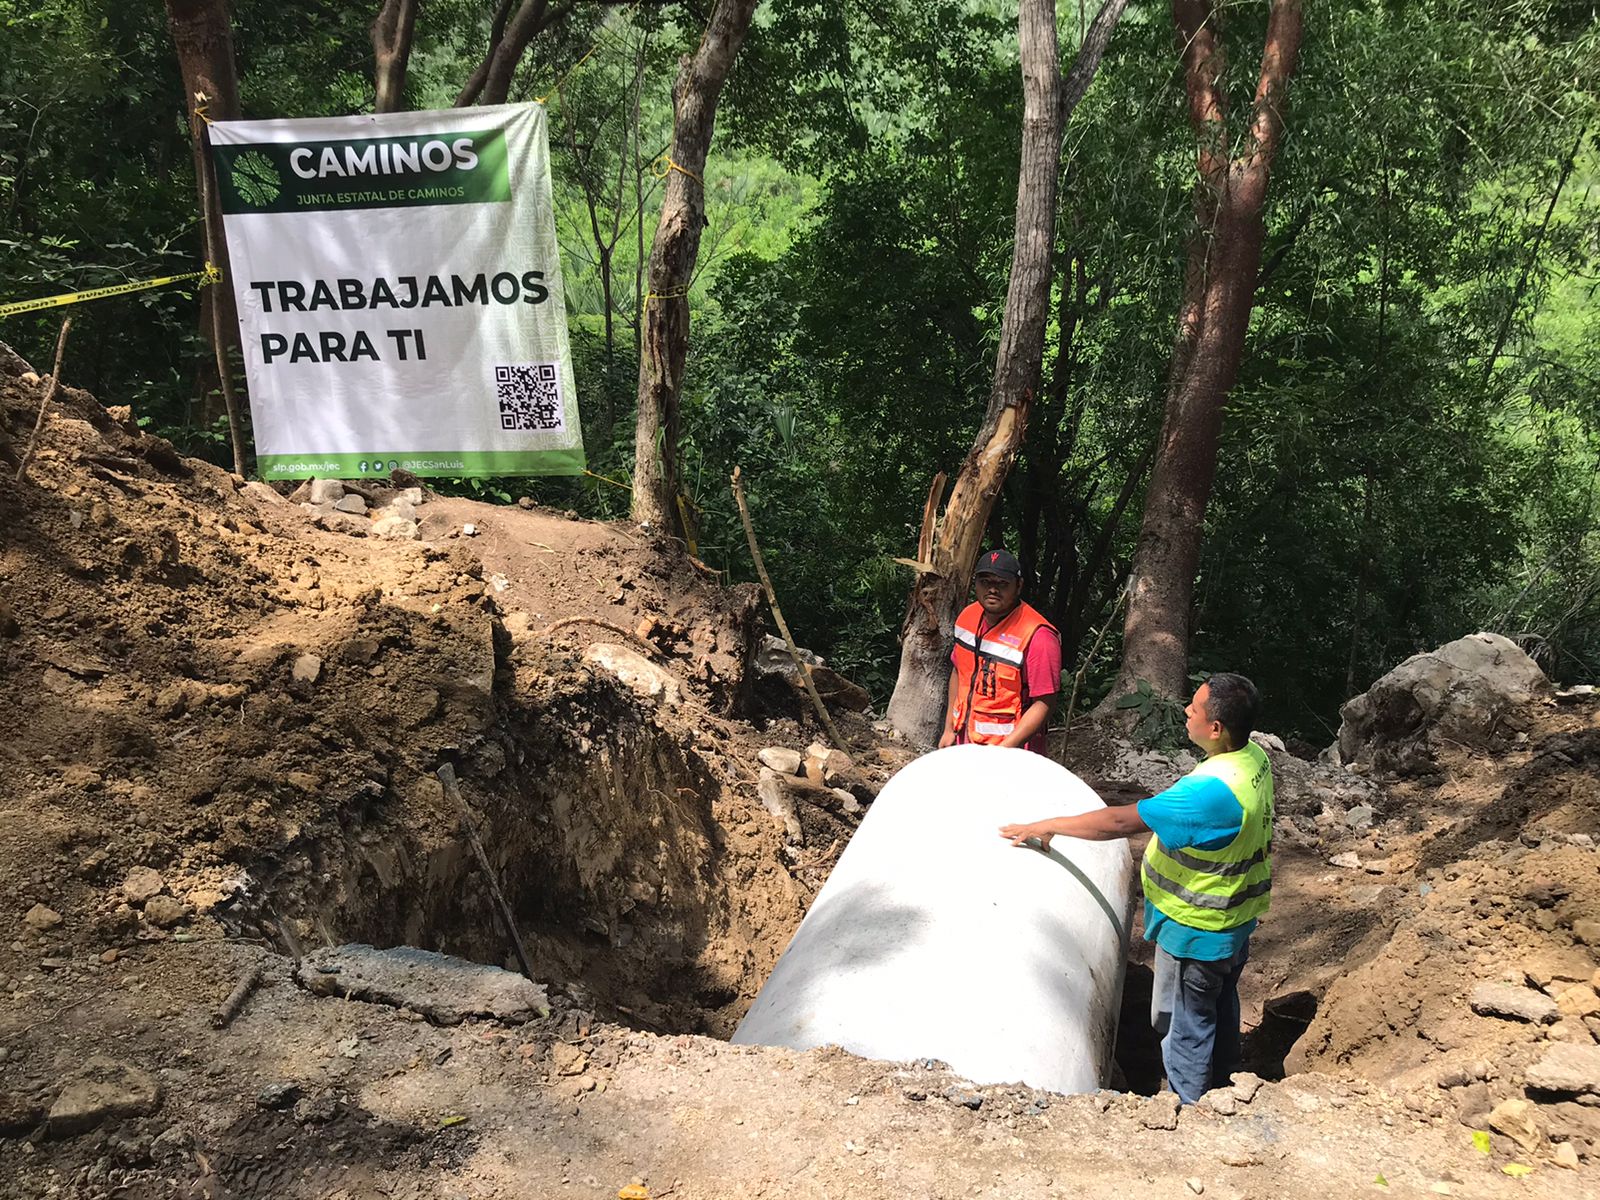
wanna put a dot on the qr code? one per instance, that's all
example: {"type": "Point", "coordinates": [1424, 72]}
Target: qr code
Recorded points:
{"type": "Point", "coordinates": [530, 397]}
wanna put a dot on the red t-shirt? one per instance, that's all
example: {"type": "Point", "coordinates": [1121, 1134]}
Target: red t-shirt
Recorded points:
{"type": "Point", "coordinates": [1041, 675]}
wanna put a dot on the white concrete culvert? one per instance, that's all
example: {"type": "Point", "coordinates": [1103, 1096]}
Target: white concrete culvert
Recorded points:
{"type": "Point", "coordinates": [935, 938]}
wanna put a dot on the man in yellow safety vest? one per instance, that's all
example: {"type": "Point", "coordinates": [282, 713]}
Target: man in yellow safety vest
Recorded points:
{"type": "Point", "coordinates": [1207, 877]}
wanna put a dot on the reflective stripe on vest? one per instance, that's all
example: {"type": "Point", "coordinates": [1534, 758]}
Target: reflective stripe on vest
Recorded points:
{"type": "Point", "coordinates": [995, 727]}
{"type": "Point", "coordinates": [990, 672]}
{"type": "Point", "coordinates": [1011, 654]}
{"type": "Point", "coordinates": [1229, 886]}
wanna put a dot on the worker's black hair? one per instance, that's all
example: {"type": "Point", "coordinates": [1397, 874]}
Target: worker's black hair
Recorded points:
{"type": "Point", "coordinates": [1233, 700]}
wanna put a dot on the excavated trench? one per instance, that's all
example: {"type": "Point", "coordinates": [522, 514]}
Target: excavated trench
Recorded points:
{"type": "Point", "coordinates": [643, 890]}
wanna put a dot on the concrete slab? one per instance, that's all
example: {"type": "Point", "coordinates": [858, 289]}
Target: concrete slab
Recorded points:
{"type": "Point", "coordinates": [444, 989]}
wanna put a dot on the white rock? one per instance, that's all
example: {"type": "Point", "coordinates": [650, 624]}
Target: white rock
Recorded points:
{"type": "Point", "coordinates": [352, 504]}
{"type": "Point", "coordinates": [307, 669]}
{"type": "Point", "coordinates": [781, 759]}
{"type": "Point", "coordinates": [1458, 692]}
{"type": "Point", "coordinates": [395, 528]}
{"type": "Point", "coordinates": [326, 491]}
{"type": "Point", "coordinates": [638, 673]}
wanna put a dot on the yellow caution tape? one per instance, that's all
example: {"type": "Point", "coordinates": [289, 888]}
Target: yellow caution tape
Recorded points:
{"type": "Point", "coordinates": [210, 275]}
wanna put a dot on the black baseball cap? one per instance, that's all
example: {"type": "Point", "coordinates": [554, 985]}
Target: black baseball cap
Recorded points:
{"type": "Point", "coordinates": [998, 562]}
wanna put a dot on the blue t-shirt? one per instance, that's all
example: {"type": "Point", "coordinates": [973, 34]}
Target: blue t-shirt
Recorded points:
{"type": "Point", "coordinates": [1199, 812]}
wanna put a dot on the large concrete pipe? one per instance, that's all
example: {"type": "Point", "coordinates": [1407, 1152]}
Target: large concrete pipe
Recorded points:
{"type": "Point", "coordinates": [936, 938]}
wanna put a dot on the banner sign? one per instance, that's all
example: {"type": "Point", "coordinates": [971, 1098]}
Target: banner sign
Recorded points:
{"type": "Point", "coordinates": [399, 293]}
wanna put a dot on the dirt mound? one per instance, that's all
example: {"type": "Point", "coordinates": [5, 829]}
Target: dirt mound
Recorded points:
{"type": "Point", "coordinates": [1498, 884]}
{"type": "Point", "coordinates": [212, 690]}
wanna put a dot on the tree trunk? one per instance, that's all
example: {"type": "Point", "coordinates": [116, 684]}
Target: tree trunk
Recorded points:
{"type": "Point", "coordinates": [391, 52]}
{"type": "Point", "coordinates": [1219, 292]}
{"type": "Point", "coordinates": [665, 316]}
{"type": "Point", "coordinates": [473, 88]}
{"type": "Point", "coordinates": [508, 41]}
{"type": "Point", "coordinates": [203, 39]}
{"type": "Point", "coordinates": [917, 707]}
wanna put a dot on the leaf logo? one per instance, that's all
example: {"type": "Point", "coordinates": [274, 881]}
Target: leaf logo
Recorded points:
{"type": "Point", "coordinates": [255, 178]}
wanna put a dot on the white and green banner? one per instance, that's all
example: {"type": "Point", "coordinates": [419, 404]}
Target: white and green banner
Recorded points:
{"type": "Point", "coordinates": [399, 293]}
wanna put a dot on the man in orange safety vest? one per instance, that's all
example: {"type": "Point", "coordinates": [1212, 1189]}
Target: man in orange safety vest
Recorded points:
{"type": "Point", "coordinates": [1007, 664]}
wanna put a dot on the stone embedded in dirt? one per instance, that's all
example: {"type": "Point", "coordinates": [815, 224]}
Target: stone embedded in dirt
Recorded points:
{"type": "Point", "coordinates": [104, 1090]}
{"type": "Point", "coordinates": [777, 801]}
{"type": "Point", "coordinates": [1567, 1067]}
{"type": "Point", "coordinates": [1579, 1000]}
{"type": "Point", "coordinates": [1474, 1105]}
{"type": "Point", "coordinates": [79, 776]}
{"type": "Point", "coordinates": [1463, 1074]}
{"type": "Point", "coordinates": [964, 1097]}
{"type": "Point", "coordinates": [568, 1059]}
{"type": "Point", "coordinates": [1359, 817]}
{"type": "Point", "coordinates": [444, 989]}
{"type": "Point", "coordinates": [1566, 1156]}
{"type": "Point", "coordinates": [141, 884]}
{"type": "Point", "coordinates": [395, 527]}
{"type": "Point", "coordinates": [781, 759]}
{"type": "Point", "coordinates": [1195, 1185]}
{"type": "Point", "coordinates": [1246, 1084]}
{"type": "Point", "coordinates": [262, 494]}
{"type": "Point", "coordinates": [847, 800]}
{"type": "Point", "coordinates": [1518, 1120]}
{"type": "Point", "coordinates": [165, 911]}
{"type": "Point", "coordinates": [307, 669]}
{"type": "Point", "coordinates": [1546, 893]}
{"type": "Point", "coordinates": [352, 504]}
{"type": "Point", "coordinates": [411, 495]}
{"type": "Point", "coordinates": [1160, 1111]}
{"type": "Point", "coordinates": [1510, 1000]}
{"type": "Point", "coordinates": [41, 918]}
{"type": "Point", "coordinates": [342, 522]}
{"type": "Point", "coordinates": [1587, 932]}
{"type": "Point", "coordinates": [1349, 860]}
{"type": "Point", "coordinates": [278, 1095]}
{"type": "Point", "coordinates": [171, 1142]}
{"type": "Point", "coordinates": [316, 1110]}
{"type": "Point", "coordinates": [636, 672]}
{"type": "Point", "coordinates": [1221, 1101]}
{"type": "Point", "coordinates": [325, 491]}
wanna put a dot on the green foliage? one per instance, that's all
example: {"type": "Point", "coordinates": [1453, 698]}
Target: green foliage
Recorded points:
{"type": "Point", "coordinates": [1159, 722]}
{"type": "Point", "coordinates": [1383, 485]}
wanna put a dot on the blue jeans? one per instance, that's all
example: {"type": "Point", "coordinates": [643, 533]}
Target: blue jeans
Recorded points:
{"type": "Point", "coordinates": [1194, 1006]}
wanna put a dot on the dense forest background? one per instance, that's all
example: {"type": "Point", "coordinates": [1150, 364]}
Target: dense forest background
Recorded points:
{"type": "Point", "coordinates": [1412, 450]}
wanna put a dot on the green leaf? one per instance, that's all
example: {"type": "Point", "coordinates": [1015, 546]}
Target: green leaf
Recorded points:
{"type": "Point", "coordinates": [1380, 1180]}
{"type": "Point", "coordinates": [1517, 1170]}
{"type": "Point", "coordinates": [1480, 1139]}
